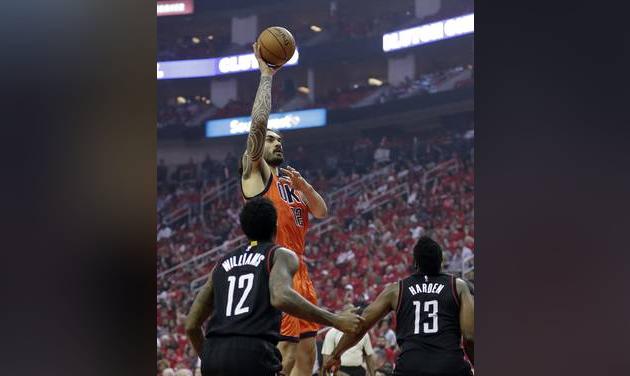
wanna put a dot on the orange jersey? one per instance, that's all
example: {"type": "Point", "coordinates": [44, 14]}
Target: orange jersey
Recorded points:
{"type": "Point", "coordinates": [291, 232]}
{"type": "Point", "coordinates": [292, 214]}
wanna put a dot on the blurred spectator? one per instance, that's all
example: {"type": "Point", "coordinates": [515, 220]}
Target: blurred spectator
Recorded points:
{"type": "Point", "coordinates": [353, 359]}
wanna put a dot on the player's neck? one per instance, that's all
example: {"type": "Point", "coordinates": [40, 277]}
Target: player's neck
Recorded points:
{"type": "Point", "coordinates": [274, 170]}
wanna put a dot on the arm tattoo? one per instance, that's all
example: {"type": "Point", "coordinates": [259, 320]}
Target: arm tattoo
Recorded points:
{"type": "Point", "coordinates": [260, 115]}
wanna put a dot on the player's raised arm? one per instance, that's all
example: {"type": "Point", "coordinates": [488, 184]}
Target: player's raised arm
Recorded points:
{"type": "Point", "coordinates": [200, 311]}
{"type": "Point", "coordinates": [253, 157]}
{"type": "Point", "coordinates": [467, 318]}
{"type": "Point", "coordinates": [284, 298]}
{"type": "Point", "coordinates": [384, 303]}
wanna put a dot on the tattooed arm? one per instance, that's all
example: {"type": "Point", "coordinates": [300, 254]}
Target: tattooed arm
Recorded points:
{"type": "Point", "coordinates": [253, 161]}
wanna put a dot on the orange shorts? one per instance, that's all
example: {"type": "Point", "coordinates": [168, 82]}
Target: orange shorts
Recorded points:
{"type": "Point", "coordinates": [291, 328]}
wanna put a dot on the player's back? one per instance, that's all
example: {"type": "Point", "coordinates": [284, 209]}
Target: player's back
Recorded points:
{"type": "Point", "coordinates": [428, 330]}
{"type": "Point", "coordinates": [241, 302]}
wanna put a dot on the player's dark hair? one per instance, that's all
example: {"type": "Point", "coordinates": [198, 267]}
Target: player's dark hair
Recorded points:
{"type": "Point", "coordinates": [258, 219]}
{"type": "Point", "coordinates": [427, 256]}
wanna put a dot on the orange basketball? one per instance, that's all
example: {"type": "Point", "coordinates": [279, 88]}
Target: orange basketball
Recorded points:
{"type": "Point", "coordinates": [277, 45]}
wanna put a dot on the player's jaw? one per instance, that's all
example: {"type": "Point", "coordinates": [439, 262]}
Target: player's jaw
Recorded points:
{"type": "Point", "coordinates": [274, 156]}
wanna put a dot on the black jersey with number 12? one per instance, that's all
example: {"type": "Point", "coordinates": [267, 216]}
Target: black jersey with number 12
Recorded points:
{"type": "Point", "coordinates": [242, 304]}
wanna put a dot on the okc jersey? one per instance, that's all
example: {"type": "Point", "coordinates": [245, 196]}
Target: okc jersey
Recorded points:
{"type": "Point", "coordinates": [292, 225]}
{"type": "Point", "coordinates": [292, 214]}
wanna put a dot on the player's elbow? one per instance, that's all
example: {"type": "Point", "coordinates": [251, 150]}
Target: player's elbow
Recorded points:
{"type": "Point", "coordinates": [321, 212]}
{"type": "Point", "coordinates": [279, 299]}
{"type": "Point", "coordinates": [469, 334]}
{"type": "Point", "coordinates": [190, 325]}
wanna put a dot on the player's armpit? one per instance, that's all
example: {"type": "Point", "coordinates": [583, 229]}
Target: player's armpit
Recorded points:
{"type": "Point", "coordinates": [254, 176]}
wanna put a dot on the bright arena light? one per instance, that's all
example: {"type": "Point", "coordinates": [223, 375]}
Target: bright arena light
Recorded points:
{"type": "Point", "coordinates": [375, 82]}
{"type": "Point", "coordinates": [415, 36]}
{"type": "Point", "coordinates": [211, 67]}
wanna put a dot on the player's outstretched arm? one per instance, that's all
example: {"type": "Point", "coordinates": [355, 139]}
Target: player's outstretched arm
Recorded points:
{"type": "Point", "coordinates": [384, 303]}
{"type": "Point", "coordinates": [200, 311]}
{"type": "Point", "coordinates": [284, 298]}
{"type": "Point", "coordinates": [252, 159]}
{"type": "Point", "coordinates": [467, 318]}
{"type": "Point", "coordinates": [314, 200]}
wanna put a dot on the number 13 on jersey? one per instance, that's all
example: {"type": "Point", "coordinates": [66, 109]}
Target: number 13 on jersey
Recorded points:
{"type": "Point", "coordinates": [430, 307]}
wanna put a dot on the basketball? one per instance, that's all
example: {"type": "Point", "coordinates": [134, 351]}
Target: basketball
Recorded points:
{"type": "Point", "coordinates": [277, 45]}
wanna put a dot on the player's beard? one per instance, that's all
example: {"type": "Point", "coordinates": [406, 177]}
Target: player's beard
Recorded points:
{"type": "Point", "coordinates": [274, 161]}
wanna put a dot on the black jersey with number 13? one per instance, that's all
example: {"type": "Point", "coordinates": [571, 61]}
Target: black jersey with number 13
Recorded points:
{"type": "Point", "coordinates": [427, 325]}
{"type": "Point", "coordinates": [242, 304]}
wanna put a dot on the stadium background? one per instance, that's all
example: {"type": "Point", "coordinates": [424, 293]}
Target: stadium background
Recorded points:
{"type": "Point", "coordinates": [394, 160]}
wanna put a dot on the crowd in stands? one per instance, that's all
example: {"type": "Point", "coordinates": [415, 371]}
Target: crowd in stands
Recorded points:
{"type": "Point", "coordinates": [181, 110]}
{"type": "Point", "coordinates": [367, 247]}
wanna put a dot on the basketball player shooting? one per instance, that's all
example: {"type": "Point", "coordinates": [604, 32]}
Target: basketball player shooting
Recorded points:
{"type": "Point", "coordinates": [435, 318]}
{"type": "Point", "coordinates": [293, 198]}
{"type": "Point", "coordinates": [244, 297]}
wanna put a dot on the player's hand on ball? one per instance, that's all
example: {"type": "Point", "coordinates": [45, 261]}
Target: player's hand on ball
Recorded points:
{"type": "Point", "coordinates": [262, 65]}
{"type": "Point", "coordinates": [349, 322]}
{"type": "Point", "coordinates": [295, 178]}
{"type": "Point", "coordinates": [330, 367]}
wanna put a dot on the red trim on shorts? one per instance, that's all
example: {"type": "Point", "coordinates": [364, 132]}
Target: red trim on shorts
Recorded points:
{"type": "Point", "coordinates": [400, 294]}
{"type": "Point", "coordinates": [461, 345]}
{"type": "Point", "coordinates": [454, 290]}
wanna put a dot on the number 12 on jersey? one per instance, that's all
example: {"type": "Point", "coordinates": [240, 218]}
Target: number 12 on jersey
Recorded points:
{"type": "Point", "coordinates": [245, 281]}
{"type": "Point", "coordinates": [431, 307]}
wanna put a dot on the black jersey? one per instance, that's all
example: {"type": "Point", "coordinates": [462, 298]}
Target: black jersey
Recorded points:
{"type": "Point", "coordinates": [242, 305]}
{"type": "Point", "coordinates": [427, 326]}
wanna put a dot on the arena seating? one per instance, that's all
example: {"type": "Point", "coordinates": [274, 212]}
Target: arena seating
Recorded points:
{"type": "Point", "coordinates": [335, 26]}
{"type": "Point", "coordinates": [174, 113]}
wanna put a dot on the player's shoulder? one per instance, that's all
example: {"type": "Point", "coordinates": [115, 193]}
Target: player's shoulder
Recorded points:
{"type": "Point", "coordinates": [283, 249]}
{"type": "Point", "coordinates": [286, 254]}
{"type": "Point", "coordinates": [392, 289]}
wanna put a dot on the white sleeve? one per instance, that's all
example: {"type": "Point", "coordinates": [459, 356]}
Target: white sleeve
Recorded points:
{"type": "Point", "coordinates": [329, 343]}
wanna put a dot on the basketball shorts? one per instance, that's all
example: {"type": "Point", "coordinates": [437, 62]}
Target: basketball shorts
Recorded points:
{"type": "Point", "coordinates": [413, 364]}
{"type": "Point", "coordinates": [291, 328]}
{"type": "Point", "coordinates": [240, 356]}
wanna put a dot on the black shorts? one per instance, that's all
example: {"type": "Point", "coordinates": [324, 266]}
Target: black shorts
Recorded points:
{"type": "Point", "coordinates": [240, 356]}
{"type": "Point", "coordinates": [411, 364]}
{"type": "Point", "coordinates": [353, 371]}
